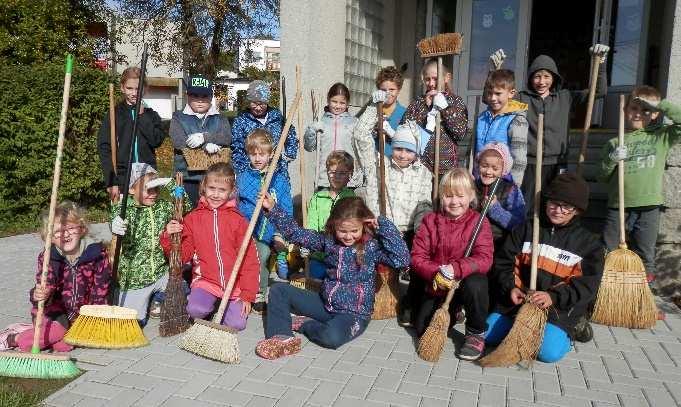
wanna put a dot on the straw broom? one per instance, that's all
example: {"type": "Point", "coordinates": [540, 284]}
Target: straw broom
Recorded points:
{"type": "Point", "coordinates": [526, 334]}
{"type": "Point", "coordinates": [38, 365]}
{"type": "Point", "coordinates": [174, 318]}
{"type": "Point", "coordinates": [433, 339]}
{"type": "Point", "coordinates": [595, 63]}
{"type": "Point", "coordinates": [624, 297]}
{"type": "Point", "coordinates": [210, 339]}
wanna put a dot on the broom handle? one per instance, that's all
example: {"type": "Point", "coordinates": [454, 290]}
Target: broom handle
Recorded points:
{"type": "Point", "coordinates": [315, 117]}
{"type": "Point", "coordinates": [595, 62]}
{"type": "Point", "coordinates": [436, 164]}
{"type": "Point", "coordinates": [217, 318]}
{"type": "Point", "coordinates": [381, 159]}
{"type": "Point", "coordinates": [471, 148]}
{"type": "Point", "coordinates": [537, 202]}
{"type": "Point", "coordinates": [474, 236]}
{"type": "Point", "coordinates": [620, 177]}
{"type": "Point", "coordinates": [112, 125]}
{"type": "Point", "coordinates": [53, 201]}
{"type": "Point", "coordinates": [301, 162]}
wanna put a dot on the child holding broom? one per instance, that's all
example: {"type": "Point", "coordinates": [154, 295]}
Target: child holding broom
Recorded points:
{"type": "Point", "coordinates": [78, 274]}
{"type": "Point", "coordinates": [143, 267]}
{"type": "Point", "coordinates": [645, 153]}
{"type": "Point", "coordinates": [211, 235]}
{"type": "Point", "coordinates": [150, 135]}
{"type": "Point", "coordinates": [570, 266]}
{"type": "Point", "coordinates": [453, 114]}
{"type": "Point", "coordinates": [335, 133]}
{"type": "Point", "coordinates": [354, 243]}
{"type": "Point", "coordinates": [438, 259]}
{"type": "Point", "coordinates": [260, 149]}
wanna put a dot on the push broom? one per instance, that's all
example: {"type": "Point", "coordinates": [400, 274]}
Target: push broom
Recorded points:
{"type": "Point", "coordinates": [210, 339]}
{"type": "Point", "coordinates": [624, 297]}
{"type": "Point", "coordinates": [109, 326]}
{"type": "Point", "coordinates": [114, 155]}
{"type": "Point", "coordinates": [526, 334]}
{"type": "Point", "coordinates": [433, 339]}
{"type": "Point", "coordinates": [36, 365]}
{"type": "Point", "coordinates": [174, 318]}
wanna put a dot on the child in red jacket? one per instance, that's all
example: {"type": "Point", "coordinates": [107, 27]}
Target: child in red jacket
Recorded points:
{"type": "Point", "coordinates": [211, 236]}
{"type": "Point", "coordinates": [437, 257]}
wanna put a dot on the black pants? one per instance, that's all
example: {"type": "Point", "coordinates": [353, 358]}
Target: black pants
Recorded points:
{"type": "Point", "coordinates": [192, 189]}
{"type": "Point", "coordinates": [472, 294]}
{"type": "Point", "coordinates": [548, 173]}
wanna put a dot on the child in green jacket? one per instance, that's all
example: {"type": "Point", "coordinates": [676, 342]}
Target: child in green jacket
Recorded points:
{"type": "Point", "coordinates": [644, 153]}
{"type": "Point", "coordinates": [339, 168]}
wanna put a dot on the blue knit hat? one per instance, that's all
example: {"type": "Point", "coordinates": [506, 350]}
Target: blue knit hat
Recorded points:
{"type": "Point", "coordinates": [406, 136]}
{"type": "Point", "coordinates": [258, 91]}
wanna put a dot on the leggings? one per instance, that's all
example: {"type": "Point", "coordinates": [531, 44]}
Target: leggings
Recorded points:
{"type": "Point", "coordinates": [201, 303]}
{"type": "Point", "coordinates": [51, 336]}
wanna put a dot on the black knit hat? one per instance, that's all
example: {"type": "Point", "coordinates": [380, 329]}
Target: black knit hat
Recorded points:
{"type": "Point", "coordinates": [569, 188]}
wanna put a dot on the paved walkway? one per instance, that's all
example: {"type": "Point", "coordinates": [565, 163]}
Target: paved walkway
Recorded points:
{"type": "Point", "coordinates": [621, 367]}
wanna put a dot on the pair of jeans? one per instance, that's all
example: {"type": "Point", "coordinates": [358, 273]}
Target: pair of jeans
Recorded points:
{"type": "Point", "coordinates": [326, 329]}
{"type": "Point", "coordinates": [264, 251]}
{"type": "Point", "coordinates": [472, 295]}
{"type": "Point", "coordinates": [555, 343]}
{"type": "Point", "coordinates": [139, 299]}
{"type": "Point", "coordinates": [641, 225]}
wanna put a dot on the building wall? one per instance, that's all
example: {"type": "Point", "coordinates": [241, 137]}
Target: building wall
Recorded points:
{"type": "Point", "coordinates": [253, 52]}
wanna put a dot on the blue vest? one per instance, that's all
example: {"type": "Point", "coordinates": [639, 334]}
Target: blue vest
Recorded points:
{"type": "Point", "coordinates": [491, 129]}
{"type": "Point", "coordinates": [192, 124]}
{"type": "Point", "coordinates": [394, 119]}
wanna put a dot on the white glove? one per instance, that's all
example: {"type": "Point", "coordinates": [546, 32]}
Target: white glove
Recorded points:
{"type": "Point", "coordinates": [440, 101]}
{"type": "Point", "coordinates": [387, 128]}
{"type": "Point", "coordinates": [619, 153]}
{"type": "Point", "coordinates": [497, 58]}
{"type": "Point", "coordinates": [194, 140]}
{"type": "Point", "coordinates": [601, 50]}
{"type": "Point", "coordinates": [304, 253]}
{"type": "Point", "coordinates": [430, 120]}
{"type": "Point", "coordinates": [379, 96]}
{"type": "Point", "coordinates": [119, 226]}
{"type": "Point", "coordinates": [212, 148]}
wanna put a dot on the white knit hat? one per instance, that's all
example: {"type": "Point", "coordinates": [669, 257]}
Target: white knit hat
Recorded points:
{"type": "Point", "coordinates": [406, 136]}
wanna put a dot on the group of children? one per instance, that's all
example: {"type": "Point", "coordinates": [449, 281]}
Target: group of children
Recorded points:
{"type": "Point", "coordinates": [345, 237]}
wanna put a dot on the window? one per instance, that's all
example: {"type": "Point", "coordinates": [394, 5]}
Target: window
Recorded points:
{"type": "Point", "coordinates": [362, 46]}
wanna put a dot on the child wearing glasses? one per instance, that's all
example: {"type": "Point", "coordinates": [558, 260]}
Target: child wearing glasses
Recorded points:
{"type": "Point", "coordinates": [569, 272]}
{"type": "Point", "coordinates": [644, 153]}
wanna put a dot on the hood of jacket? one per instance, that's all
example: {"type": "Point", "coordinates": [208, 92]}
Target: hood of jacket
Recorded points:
{"type": "Point", "coordinates": [547, 63]}
{"type": "Point", "coordinates": [231, 203]}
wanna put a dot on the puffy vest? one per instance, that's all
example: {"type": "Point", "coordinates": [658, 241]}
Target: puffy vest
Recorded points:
{"type": "Point", "coordinates": [491, 129]}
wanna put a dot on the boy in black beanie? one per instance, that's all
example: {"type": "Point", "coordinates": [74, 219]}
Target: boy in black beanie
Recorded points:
{"type": "Point", "coordinates": [570, 266]}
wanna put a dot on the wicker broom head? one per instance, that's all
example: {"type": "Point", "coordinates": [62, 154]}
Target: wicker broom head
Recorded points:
{"type": "Point", "coordinates": [441, 44]}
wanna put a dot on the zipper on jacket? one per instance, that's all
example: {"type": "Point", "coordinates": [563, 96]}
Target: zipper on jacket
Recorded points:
{"type": "Point", "coordinates": [217, 248]}
{"type": "Point", "coordinates": [338, 277]}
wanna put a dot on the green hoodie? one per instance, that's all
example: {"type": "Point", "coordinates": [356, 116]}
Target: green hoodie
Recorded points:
{"type": "Point", "coordinates": [319, 207]}
{"type": "Point", "coordinates": [644, 167]}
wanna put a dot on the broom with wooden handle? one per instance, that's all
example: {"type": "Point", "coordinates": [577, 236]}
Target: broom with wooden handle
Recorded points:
{"type": "Point", "coordinates": [114, 152]}
{"type": "Point", "coordinates": [211, 339]}
{"type": "Point", "coordinates": [595, 63]}
{"type": "Point", "coordinates": [624, 297]}
{"type": "Point", "coordinates": [526, 334]}
{"type": "Point", "coordinates": [433, 339]}
{"type": "Point", "coordinates": [35, 364]}
{"type": "Point", "coordinates": [174, 318]}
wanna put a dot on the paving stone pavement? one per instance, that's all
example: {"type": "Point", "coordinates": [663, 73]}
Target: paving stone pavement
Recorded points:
{"type": "Point", "coordinates": [621, 367]}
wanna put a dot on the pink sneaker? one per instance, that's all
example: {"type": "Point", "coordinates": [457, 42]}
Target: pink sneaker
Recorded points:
{"type": "Point", "coordinates": [277, 346]}
{"type": "Point", "coordinates": [12, 330]}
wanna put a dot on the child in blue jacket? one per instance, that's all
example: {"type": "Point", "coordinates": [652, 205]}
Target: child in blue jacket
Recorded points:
{"type": "Point", "coordinates": [355, 242]}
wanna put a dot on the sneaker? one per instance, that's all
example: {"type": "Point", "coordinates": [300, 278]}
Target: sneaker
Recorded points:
{"type": "Point", "coordinates": [277, 346]}
{"type": "Point", "coordinates": [155, 309]}
{"type": "Point", "coordinates": [472, 348]}
{"type": "Point", "coordinates": [282, 267]}
{"type": "Point", "coordinates": [297, 321]}
{"type": "Point", "coordinates": [583, 331]}
{"type": "Point", "coordinates": [259, 307]}
{"type": "Point", "coordinates": [9, 334]}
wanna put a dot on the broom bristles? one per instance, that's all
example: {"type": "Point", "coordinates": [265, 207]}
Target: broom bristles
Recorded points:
{"type": "Point", "coordinates": [624, 298]}
{"type": "Point", "coordinates": [523, 341]}
{"type": "Point", "coordinates": [385, 299]}
{"type": "Point", "coordinates": [433, 340]}
{"type": "Point", "coordinates": [37, 366]}
{"type": "Point", "coordinates": [211, 341]}
{"type": "Point", "coordinates": [441, 44]}
{"type": "Point", "coordinates": [105, 333]}
{"type": "Point", "coordinates": [174, 318]}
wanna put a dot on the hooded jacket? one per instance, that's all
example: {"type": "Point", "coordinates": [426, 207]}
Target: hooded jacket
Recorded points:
{"type": "Point", "coordinates": [212, 238]}
{"type": "Point", "coordinates": [349, 284]}
{"type": "Point", "coordinates": [570, 267]}
{"type": "Point", "coordinates": [245, 123]}
{"type": "Point", "coordinates": [509, 209]}
{"type": "Point", "coordinates": [508, 127]}
{"type": "Point", "coordinates": [442, 240]}
{"type": "Point", "coordinates": [335, 135]}
{"type": "Point", "coordinates": [556, 108]}
{"type": "Point", "coordinates": [83, 282]}
{"type": "Point", "coordinates": [149, 137]}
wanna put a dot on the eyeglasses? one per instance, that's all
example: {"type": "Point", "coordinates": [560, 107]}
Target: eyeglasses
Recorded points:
{"type": "Point", "coordinates": [562, 206]}
{"type": "Point", "coordinates": [338, 173]}
{"type": "Point", "coordinates": [71, 230]}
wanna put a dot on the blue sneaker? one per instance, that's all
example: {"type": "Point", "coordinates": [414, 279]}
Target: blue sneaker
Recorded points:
{"type": "Point", "coordinates": [282, 266]}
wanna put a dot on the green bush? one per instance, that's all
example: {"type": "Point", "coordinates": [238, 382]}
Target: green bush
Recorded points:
{"type": "Point", "coordinates": [31, 98]}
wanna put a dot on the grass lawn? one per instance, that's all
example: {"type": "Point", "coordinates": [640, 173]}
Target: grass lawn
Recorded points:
{"type": "Point", "coordinates": [27, 392]}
